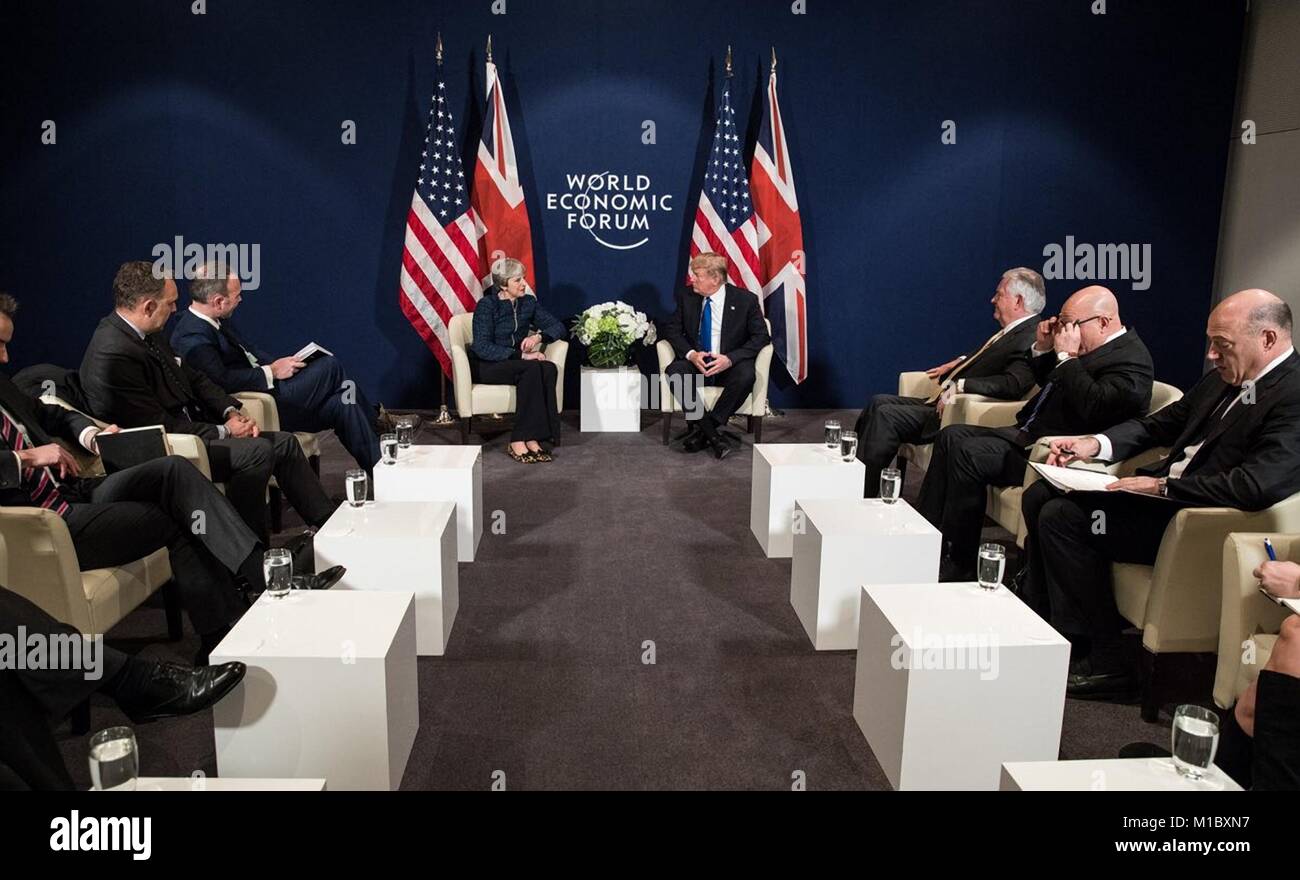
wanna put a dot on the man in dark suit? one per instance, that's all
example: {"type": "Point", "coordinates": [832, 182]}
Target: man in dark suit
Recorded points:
{"type": "Point", "coordinates": [1091, 371]}
{"type": "Point", "coordinates": [998, 368]}
{"type": "Point", "coordinates": [1234, 441]}
{"type": "Point", "coordinates": [716, 331]}
{"type": "Point", "coordinates": [123, 517]}
{"type": "Point", "coordinates": [132, 377]}
{"type": "Point", "coordinates": [309, 396]}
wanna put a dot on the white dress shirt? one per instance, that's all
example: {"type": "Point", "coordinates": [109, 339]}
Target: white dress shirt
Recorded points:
{"type": "Point", "coordinates": [718, 301]}
{"type": "Point", "coordinates": [86, 439]}
{"type": "Point", "coordinates": [252, 361]}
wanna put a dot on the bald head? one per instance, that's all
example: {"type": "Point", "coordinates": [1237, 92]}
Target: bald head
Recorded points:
{"type": "Point", "coordinates": [1247, 331]}
{"type": "Point", "coordinates": [1096, 312]}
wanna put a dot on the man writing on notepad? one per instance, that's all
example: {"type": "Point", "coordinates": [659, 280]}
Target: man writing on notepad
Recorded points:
{"type": "Point", "coordinates": [310, 396]}
{"type": "Point", "coordinates": [1234, 441]}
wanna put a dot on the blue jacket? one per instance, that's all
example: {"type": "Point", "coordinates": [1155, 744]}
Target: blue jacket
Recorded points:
{"type": "Point", "coordinates": [500, 325]}
{"type": "Point", "coordinates": [216, 353]}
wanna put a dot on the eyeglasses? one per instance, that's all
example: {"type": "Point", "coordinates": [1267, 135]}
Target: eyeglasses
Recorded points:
{"type": "Point", "coordinates": [1078, 324]}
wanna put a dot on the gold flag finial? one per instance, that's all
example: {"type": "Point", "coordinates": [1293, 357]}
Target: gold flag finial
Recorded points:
{"type": "Point", "coordinates": [728, 59]}
{"type": "Point", "coordinates": [437, 49]}
{"type": "Point", "coordinates": [774, 59]}
{"type": "Point", "coordinates": [489, 49]}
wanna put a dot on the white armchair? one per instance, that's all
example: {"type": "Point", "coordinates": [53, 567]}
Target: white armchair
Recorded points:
{"type": "Point", "coordinates": [1248, 621]}
{"type": "Point", "coordinates": [477, 398]}
{"type": "Point", "coordinates": [754, 406]}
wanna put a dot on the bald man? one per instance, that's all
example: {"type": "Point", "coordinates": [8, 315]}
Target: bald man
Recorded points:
{"type": "Point", "coordinates": [1234, 441]}
{"type": "Point", "coordinates": [1091, 372]}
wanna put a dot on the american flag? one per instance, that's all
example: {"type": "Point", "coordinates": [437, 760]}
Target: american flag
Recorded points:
{"type": "Point", "coordinates": [498, 194]}
{"type": "Point", "coordinates": [781, 257]}
{"type": "Point", "coordinates": [724, 216]}
{"type": "Point", "coordinates": [441, 267]}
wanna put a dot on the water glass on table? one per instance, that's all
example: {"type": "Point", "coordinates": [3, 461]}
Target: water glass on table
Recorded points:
{"type": "Point", "coordinates": [114, 760]}
{"type": "Point", "coordinates": [1195, 740]}
{"type": "Point", "coordinates": [405, 431]}
{"type": "Point", "coordinates": [891, 485]}
{"type": "Point", "coordinates": [388, 448]}
{"type": "Point", "coordinates": [357, 484]}
{"type": "Point", "coordinates": [277, 568]}
{"type": "Point", "coordinates": [832, 433]}
{"type": "Point", "coordinates": [992, 564]}
{"type": "Point", "coordinates": [848, 445]}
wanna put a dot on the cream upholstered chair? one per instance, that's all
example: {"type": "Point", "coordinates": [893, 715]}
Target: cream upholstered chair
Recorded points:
{"type": "Point", "coordinates": [754, 406]}
{"type": "Point", "coordinates": [965, 409]}
{"type": "Point", "coordinates": [477, 398]}
{"type": "Point", "coordinates": [1248, 621]}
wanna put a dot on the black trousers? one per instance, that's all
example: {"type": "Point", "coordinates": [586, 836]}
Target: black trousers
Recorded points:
{"type": "Point", "coordinates": [1072, 539]}
{"type": "Point", "coordinates": [887, 423]}
{"type": "Point", "coordinates": [30, 699]}
{"type": "Point", "coordinates": [245, 465]}
{"type": "Point", "coordinates": [737, 383]}
{"type": "Point", "coordinates": [167, 503]}
{"type": "Point", "coordinates": [967, 459]}
{"type": "Point", "coordinates": [537, 414]}
{"type": "Point", "coordinates": [315, 399]}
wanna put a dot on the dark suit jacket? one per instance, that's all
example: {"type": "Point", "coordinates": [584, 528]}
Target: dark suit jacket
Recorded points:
{"type": "Point", "coordinates": [218, 355]}
{"type": "Point", "coordinates": [44, 423]}
{"type": "Point", "coordinates": [743, 332]}
{"type": "Point", "coordinates": [1100, 388]}
{"type": "Point", "coordinates": [127, 384]}
{"type": "Point", "coordinates": [1003, 370]}
{"type": "Point", "coordinates": [1251, 456]}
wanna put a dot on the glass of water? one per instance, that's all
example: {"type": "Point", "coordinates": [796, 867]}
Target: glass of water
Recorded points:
{"type": "Point", "coordinates": [1195, 740]}
{"type": "Point", "coordinates": [832, 433]}
{"type": "Point", "coordinates": [891, 485]}
{"type": "Point", "coordinates": [405, 431]}
{"type": "Point", "coordinates": [356, 483]}
{"type": "Point", "coordinates": [114, 760]}
{"type": "Point", "coordinates": [992, 564]}
{"type": "Point", "coordinates": [388, 448]}
{"type": "Point", "coordinates": [848, 445]}
{"type": "Point", "coordinates": [277, 568]}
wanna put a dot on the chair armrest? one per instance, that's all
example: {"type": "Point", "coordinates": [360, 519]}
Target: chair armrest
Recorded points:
{"type": "Point", "coordinates": [191, 448]}
{"type": "Point", "coordinates": [762, 374]}
{"type": "Point", "coordinates": [917, 384]}
{"type": "Point", "coordinates": [557, 353]}
{"type": "Point", "coordinates": [461, 380]}
{"type": "Point", "coordinates": [260, 407]}
{"type": "Point", "coordinates": [976, 409]}
{"type": "Point", "coordinates": [43, 563]}
{"type": "Point", "coordinates": [1245, 612]}
{"type": "Point", "coordinates": [665, 354]}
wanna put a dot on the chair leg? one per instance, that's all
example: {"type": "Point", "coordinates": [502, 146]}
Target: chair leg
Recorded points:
{"type": "Point", "coordinates": [314, 461]}
{"type": "Point", "coordinates": [172, 609]}
{"type": "Point", "coordinates": [901, 464]}
{"type": "Point", "coordinates": [275, 506]}
{"type": "Point", "coordinates": [559, 427]}
{"type": "Point", "coordinates": [749, 424]}
{"type": "Point", "coordinates": [80, 718]}
{"type": "Point", "coordinates": [758, 428]}
{"type": "Point", "coordinates": [668, 426]}
{"type": "Point", "coordinates": [1150, 692]}
{"type": "Point", "coordinates": [464, 430]}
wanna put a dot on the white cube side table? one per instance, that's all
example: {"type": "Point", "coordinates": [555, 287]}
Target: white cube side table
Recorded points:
{"type": "Point", "coordinates": [841, 545]}
{"type": "Point", "coordinates": [330, 691]}
{"type": "Point", "coordinates": [1110, 774]}
{"type": "Point", "coordinates": [611, 399]}
{"type": "Point", "coordinates": [404, 546]}
{"type": "Point", "coordinates": [439, 473]}
{"type": "Point", "coordinates": [783, 472]}
{"type": "Point", "coordinates": [953, 680]}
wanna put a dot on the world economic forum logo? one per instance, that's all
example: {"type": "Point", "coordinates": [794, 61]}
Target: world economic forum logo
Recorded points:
{"type": "Point", "coordinates": [615, 209]}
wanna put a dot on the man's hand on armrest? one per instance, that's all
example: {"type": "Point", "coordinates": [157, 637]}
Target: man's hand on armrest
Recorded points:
{"type": "Point", "coordinates": [1281, 579]}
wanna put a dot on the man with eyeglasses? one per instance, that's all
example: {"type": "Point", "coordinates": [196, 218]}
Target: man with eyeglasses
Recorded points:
{"type": "Point", "coordinates": [1090, 370]}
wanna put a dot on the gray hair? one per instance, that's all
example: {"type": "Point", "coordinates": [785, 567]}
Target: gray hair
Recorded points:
{"type": "Point", "coordinates": [1029, 286]}
{"type": "Point", "coordinates": [210, 281]}
{"type": "Point", "coordinates": [504, 269]}
{"type": "Point", "coordinates": [1271, 315]}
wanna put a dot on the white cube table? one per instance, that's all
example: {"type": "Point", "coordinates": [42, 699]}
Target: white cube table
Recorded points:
{"type": "Point", "coordinates": [1112, 774]}
{"type": "Point", "coordinates": [785, 471]}
{"type": "Point", "coordinates": [610, 399]}
{"type": "Point", "coordinates": [404, 546]}
{"type": "Point", "coordinates": [439, 473]}
{"type": "Point", "coordinates": [953, 680]}
{"type": "Point", "coordinates": [841, 544]}
{"type": "Point", "coordinates": [330, 691]}
{"type": "Point", "coordinates": [223, 783]}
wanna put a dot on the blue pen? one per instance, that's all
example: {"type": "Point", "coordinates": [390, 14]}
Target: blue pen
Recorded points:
{"type": "Point", "coordinates": [1268, 546]}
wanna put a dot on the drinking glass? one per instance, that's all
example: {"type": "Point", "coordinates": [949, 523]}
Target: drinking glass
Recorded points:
{"type": "Point", "coordinates": [388, 448]}
{"type": "Point", "coordinates": [891, 485]}
{"type": "Point", "coordinates": [1195, 740]}
{"type": "Point", "coordinates": [114, 760]}
{"type": "Point", "coordinates": [405, 431]}
{"type": "Point", "coordinates": [356, 482]}
{"type": "Point", "coordinates": [832, 433]}
{"type": "Point", "coordinates": [848, 445]}
{"type": "Point", "coordinates": [992, 563]}
{"type": "Point", "coordinates": [277, 568]}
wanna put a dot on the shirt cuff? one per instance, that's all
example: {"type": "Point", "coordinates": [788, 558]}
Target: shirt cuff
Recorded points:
{"type": "Point", "coordinates": [270, 378]}
{"type": "Point", "coordinates": [225, 413]}
{"type": "Point", "coordinates": [87, 440]}
{"type": "Point", "coordinates": [222, 432]}
{"type": "Point", "coordinates": [1107, 450]}
{"type": "Point", "coordinates": [1033, 349]}
{"type": "Point", "coordinates": [961, 386]}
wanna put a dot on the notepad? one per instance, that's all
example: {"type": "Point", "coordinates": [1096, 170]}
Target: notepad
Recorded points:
{"type": "Point", "coordinates": [1292, 604]}
{"type": "Point", "coordinates": [311, 351]}
{"type": "Point", "coordinates": [1080, 480]}
{"type": "Point", "coordinates": [131, 446]}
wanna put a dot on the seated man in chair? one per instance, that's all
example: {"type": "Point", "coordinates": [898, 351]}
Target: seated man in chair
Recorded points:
{"type": "Point", "coordinates": [716, 332]}
{"type": "Point", "coordinates": [309, 396]}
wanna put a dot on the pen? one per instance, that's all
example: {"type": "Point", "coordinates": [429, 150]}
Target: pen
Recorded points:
{"type": "Point", "coordinates": [1268, 547]}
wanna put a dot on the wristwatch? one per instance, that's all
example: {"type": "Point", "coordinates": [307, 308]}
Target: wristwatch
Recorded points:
{"type": "Point", "coordinates": [1162, 486]}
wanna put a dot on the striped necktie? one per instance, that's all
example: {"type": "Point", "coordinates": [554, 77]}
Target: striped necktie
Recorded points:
{"type": "Point", "coordinates": [43, 490]}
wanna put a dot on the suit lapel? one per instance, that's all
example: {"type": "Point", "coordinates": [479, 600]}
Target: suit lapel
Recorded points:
{"type": "Point", "coordinates": [730, 308]}
{"type": "Point", "coordinates": [1240, 409]}
{"type": "Point", "coordinates": [20, 410]}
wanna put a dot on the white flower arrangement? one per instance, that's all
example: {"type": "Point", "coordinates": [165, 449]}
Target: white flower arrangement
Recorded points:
{"type": "Point", "coordinates": [609, 329]}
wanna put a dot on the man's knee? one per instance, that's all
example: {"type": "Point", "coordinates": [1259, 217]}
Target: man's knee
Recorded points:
{"type": "Point", "coordinates": [1031, 503]}
{"type": "Point", "coordinates": [1060, 516]}
{"type": "Point", "coordinates": [742, 374]}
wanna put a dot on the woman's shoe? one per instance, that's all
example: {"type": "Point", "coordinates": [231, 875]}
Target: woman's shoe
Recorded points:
{"type": "Point", "coordinates": [521, 457]}
{"type": "Point", "coordinates": [542, 455]}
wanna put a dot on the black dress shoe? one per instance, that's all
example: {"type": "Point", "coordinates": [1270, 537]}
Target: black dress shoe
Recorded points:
{"type": "Point", "coordinates": [692, 430]}
{"type": "Point", "coordinates": [1088, 683]}
{"type": "Point", "coordinates": [950, 572]}
{"type": "Point", "coordinates": [169, 689]}
{"type": "Point", "coordinates": [302, 551]}
{"type": "Point", "coordinates": [721, 448]}
{"type": "Point", "coordinates": [1143, 750]}
{"type": "Point", "coordinates": [325, 579]}
{"type": "Point", "coordinates": [695, 442]}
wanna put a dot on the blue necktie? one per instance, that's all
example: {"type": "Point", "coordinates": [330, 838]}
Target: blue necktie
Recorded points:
{"type": "Point", "coordinates": [1038, 405]}
{"type": "Point", "coordinates": [706, 326]}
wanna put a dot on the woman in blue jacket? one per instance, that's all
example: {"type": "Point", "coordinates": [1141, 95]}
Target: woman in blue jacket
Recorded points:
{"type": "Point", "coordinates": [510, 331]}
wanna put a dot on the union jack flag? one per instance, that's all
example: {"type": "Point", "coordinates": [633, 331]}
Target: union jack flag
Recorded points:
{"type": "Point", "coordinates": [498, 194]}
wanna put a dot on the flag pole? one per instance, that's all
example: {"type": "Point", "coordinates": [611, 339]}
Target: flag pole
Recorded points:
{"type": "Point", "coordinates": [772, 412]}
{"type": "Point", "coordinates": [444, 417]}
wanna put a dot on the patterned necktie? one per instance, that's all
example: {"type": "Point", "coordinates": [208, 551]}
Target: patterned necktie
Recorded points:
{"type": "Point", "coordinates": [706, 325]}
{"type": "Point", "coordinates": [43, 490]}
{"type": "Point", "coordinates": [951, 378]}
{"type": "Point", "coordinates": [1038, 406]}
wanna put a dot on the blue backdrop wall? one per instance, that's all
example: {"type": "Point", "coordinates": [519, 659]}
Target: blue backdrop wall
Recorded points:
{"type": "Point", "coordinates": [226, 127]}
